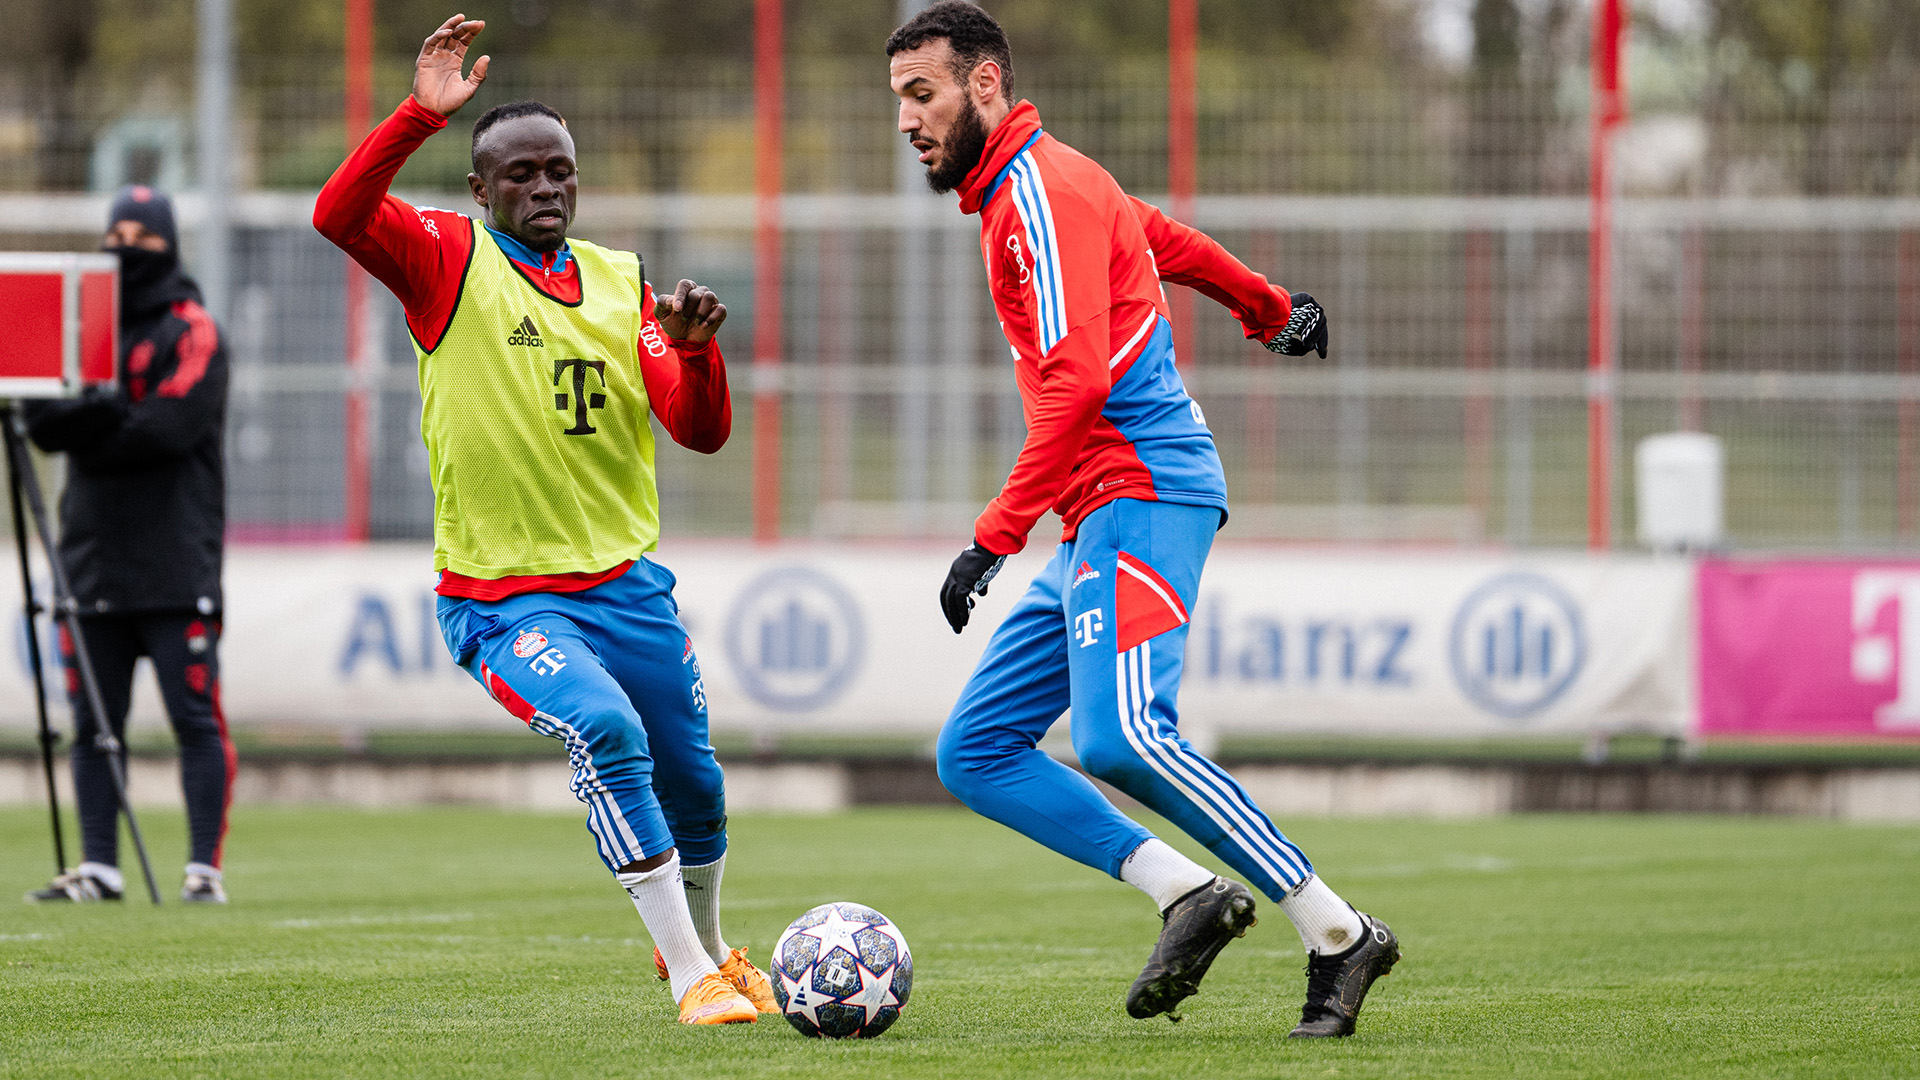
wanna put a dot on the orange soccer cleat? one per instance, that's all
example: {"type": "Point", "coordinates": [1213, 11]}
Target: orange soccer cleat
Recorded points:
{"type": "Point", "coordinates": [715, 1000]}
{"type": "Point", "coordinates": [752, 983]}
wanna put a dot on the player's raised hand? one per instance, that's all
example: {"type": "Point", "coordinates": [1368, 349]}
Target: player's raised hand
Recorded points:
{"type": "Point", "coordinates": [437, 82]}
{"type": "Point", "coordinates": [1306, 329]}
{"type": "Point", "coordinates": [692, 314]}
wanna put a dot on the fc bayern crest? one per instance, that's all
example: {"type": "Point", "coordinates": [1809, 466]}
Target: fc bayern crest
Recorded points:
{"type": "Point", "coordinates": [529, 643]}
{"type": "Point", "coordinates": [842, 971]}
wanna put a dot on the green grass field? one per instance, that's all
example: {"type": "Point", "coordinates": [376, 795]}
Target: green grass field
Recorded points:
{"type": "Point", "coordinates": [468, 943]}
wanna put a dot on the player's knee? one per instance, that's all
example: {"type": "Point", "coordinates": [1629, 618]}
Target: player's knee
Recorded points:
{"type": "Point", "coordinates": [959, 761]}
{"type": "Point", "coordinates": [1111, 760]}
{"type": "Point", "coordinates": [611, 733]}
{"type": "Point", "coordinates": [703, 839]}
{"type": "Point", "coordinates": [693, 795]}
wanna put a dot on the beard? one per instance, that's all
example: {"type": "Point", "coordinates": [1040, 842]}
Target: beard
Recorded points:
{"type": "Point", "coordinates": [960, 151]}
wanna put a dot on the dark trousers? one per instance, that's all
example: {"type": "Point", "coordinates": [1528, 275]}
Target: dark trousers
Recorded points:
{"type": "Point", "coordinates": [184, 650]}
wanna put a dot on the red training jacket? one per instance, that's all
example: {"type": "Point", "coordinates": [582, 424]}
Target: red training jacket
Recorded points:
{"type": "Point", "coordinates": [1075, 266]}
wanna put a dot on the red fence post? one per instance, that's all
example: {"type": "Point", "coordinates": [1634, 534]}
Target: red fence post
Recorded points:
{"type": "Point", "coordinates": [769, 79]}
{"type": "Point", "coordinates": [1183, 36]}
{"type": "Point", "coordinates": [1907, 320]}
{"type": "Point", "coordinates": [359, 405]}
{"type": "Point", "coordinates": [1608, 111]}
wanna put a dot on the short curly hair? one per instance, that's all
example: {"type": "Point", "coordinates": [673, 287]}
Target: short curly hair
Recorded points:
{"type": "Point", "coordinates": [511, 110]}
{"type": "Point", "coordinates": [971, 33]}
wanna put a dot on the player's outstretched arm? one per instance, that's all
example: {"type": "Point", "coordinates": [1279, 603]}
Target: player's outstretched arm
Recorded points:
{"type": "Point", "coordinates": [1290, 324]}
{"type": "Point", "coordinates": [437, 81]}
{"type": "Point", "coordinates": [1073, 391]}
{"type": "Point", "coordinates": [1186, 256]}
{"type": "Point", "coordinates": [418, 254]}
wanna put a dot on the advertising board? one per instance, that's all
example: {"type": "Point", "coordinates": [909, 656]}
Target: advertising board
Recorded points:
{"type": "Point", "coordinates": [1809, 648]}
{"type": "Point", "coordinates": [848, 638]}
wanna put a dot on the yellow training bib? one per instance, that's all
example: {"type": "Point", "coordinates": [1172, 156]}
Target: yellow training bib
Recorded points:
{"type": "Point", "coordinates": [535, 419]}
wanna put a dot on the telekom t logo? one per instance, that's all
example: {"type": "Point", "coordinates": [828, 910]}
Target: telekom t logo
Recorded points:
{"type": "Point", "coordinates": [1087, 627]}
{"type": "Point", "coordinates": [1874, 652]}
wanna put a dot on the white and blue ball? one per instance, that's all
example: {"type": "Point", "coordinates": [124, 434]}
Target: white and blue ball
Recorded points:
{"type": "Point", "coordinates": [842, 971]}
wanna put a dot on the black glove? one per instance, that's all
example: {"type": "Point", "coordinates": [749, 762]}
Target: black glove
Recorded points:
{"type": "Point", "coordinates": [970, 574]}
{"type": "Point", "coordinates": [77, 423]}
{"type": "Point", "coordinates": [1306, 329]}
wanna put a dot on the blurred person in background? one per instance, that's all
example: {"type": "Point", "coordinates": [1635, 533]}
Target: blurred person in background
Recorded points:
{"type": "Point", "coordinates": [142, 524]}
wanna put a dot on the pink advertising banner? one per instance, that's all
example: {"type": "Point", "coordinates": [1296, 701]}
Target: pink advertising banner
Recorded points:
{"type": "Point", "coordinates": [1818, 649]}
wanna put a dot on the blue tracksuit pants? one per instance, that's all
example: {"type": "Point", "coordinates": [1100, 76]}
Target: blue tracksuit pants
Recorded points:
{"type": "Point", "coordinates": [1103, 631]}
{"type": "Point", "coordinates": [611, 673]}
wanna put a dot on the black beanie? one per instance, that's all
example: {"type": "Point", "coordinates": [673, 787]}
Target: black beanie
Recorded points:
{"type": "Point", "coordinates": [138, 202]}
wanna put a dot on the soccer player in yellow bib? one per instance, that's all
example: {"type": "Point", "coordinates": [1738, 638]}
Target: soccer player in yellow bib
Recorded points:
{"type": "Point", "coordinates": [540, 361]}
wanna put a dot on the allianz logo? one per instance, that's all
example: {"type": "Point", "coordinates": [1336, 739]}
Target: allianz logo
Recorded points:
{"type": "Point", "coordinates": [795, 638]}
{"type": "Point", "coordinates": [1299, 651]}
{"type": "Point", "coordinates": [1517, 644]}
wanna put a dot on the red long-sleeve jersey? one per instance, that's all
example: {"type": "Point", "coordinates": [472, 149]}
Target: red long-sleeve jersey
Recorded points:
{"type": "Point", "coordinates": [1075, 266]}
{"type": "Point", "coordinates": [421, 253]}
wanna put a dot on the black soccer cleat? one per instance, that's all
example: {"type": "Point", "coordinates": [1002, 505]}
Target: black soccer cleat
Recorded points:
{"type": "Point", "coordinates": [1337, 984]}
{"type": "Point", "coordinates": [73, 887]}
{"type": "Point", "coordinates": [1198, 926]}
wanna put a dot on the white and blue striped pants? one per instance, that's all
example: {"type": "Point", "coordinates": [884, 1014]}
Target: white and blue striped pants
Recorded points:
{"type": "Point", "coordinates": [611, 674]}
{"type": "Point", "coordinates": [1103, 631]}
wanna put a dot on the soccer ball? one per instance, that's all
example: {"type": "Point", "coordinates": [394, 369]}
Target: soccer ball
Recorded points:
{"type": "Point", "coordinates": [842, 971]}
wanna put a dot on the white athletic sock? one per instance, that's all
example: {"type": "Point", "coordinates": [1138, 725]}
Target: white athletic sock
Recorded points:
{"type": "Point", "coordinates": [1327, 924]}
{"type": "Point", "coordinates": [101, 872]}
{"type": "Point", "coordinates": [203, 870]}
{"type": "Point", "coordinates": [703, 904]}
{"type": "Point", "coordinates": [662, 904]}
{"type": "Point", "coordinates": [1156, 869]}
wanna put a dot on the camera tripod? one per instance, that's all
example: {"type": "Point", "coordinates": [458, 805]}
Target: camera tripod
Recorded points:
{"type": "Point", "coordinates": [24, 486]}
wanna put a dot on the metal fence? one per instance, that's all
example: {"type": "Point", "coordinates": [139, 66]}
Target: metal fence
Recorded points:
{"type": "Point", "coordinates": [1299, 127]}
{"type": "Point", "coordinates": [1452, 408]}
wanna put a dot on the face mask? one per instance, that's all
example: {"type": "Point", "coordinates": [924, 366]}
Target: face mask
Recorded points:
{"type": "Point", "coordinates": [141, 269]}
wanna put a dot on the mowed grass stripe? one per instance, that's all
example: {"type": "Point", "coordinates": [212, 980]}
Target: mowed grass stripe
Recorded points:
{"type": "Point", "coordinates": [471, 943]}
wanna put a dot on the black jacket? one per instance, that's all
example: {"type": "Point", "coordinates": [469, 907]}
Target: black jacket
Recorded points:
{"type": "Point", "coordinates": [143, 516]}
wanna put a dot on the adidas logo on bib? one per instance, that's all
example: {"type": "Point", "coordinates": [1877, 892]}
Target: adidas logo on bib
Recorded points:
{"type": "Point", "coordinates": [525, 334]}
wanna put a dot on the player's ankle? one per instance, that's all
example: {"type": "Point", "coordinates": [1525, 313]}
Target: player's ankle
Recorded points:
{"type": "Point", "coordinates": [702, 884]}
{"type": "Point", "coordinates": [662, 903]}
{"type": "Point", "coordinates": [1164, 874]}
{"type": "Point", "coordinates": [1327, 924]}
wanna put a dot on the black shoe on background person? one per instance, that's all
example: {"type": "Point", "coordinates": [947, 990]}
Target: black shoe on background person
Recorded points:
{"type": "Point", "coordinates": [76, 887]}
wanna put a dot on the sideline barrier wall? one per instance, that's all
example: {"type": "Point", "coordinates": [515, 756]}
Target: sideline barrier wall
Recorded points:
{"type": "Point", "coordinates": [849, 639]}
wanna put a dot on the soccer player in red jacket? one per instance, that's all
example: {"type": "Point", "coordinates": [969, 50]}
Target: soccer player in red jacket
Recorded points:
{"type": "Point", "coordinates": [1117, 448]}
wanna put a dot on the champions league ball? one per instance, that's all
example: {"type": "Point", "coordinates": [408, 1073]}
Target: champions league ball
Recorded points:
{"type": "Point", "coordinates": [842, 971]}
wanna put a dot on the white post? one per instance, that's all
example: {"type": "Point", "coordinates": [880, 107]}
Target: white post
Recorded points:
{"type": "Point", "coordinates": [912, 328]}
{"type": "Point", "coordinates": [213, 119]}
